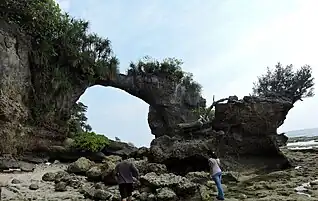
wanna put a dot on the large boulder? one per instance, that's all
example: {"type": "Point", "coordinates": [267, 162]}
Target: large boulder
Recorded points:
{"type": "Point", "coordinates": [108, 173]}
{"type": "Point", "coordinates": [94, 173]}
{"type": "Point", "coordinates": [81, 166]}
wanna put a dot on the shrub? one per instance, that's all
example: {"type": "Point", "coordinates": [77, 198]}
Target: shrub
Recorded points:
{"type": "Point", "coordinates": [90, 141]}
{"type": "Point", "coordinates": [169, 68]}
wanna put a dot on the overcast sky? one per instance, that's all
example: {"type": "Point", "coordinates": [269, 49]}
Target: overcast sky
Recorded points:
{"type": "Point", "coordinates": [226, 44]}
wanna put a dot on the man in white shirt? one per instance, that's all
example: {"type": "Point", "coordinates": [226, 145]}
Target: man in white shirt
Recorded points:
{"type": "Point", "coordinates": [216, 174]}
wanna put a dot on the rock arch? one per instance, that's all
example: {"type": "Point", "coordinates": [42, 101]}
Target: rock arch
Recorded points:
{"type": "Point", "coordinates": [33, 87]}
{"type": "Point", "coordinates": [24, 87]}
{"type": "Point", "coordinates": [166, 106]}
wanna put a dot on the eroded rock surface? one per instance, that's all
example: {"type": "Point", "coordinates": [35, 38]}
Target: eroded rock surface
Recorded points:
{"type": "Point", "coordinates": [251, 125]}
{"type": "Point", "coordinates": [243, 133]}
{"type": "Point", "coordinates": [15, 82]}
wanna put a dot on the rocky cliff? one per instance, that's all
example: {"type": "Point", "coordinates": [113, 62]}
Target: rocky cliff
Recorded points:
{"type": "Point", "coordinates": [15, 82]}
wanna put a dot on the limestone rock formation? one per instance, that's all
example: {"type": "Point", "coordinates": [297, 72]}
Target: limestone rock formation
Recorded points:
{"type": "Point", "coordinates": [15, 82]}
{"type": "Point", "coordinates": [252, 124]}
{"type": "Point", "coordinates": [243, 132]}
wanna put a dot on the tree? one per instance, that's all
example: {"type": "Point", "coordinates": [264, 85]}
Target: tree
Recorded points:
{"type": "Point", "coordinates": [284, 82]}
{"type": "Point", "coordinates": [78, 122]}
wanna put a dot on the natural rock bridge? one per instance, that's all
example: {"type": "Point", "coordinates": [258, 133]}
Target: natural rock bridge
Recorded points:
{"type": "Point", "coordinates": [249, 125]}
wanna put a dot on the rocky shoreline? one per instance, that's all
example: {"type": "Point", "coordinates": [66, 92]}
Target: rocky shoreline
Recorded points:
{"type": "Point", "coordinates": [88, 180]}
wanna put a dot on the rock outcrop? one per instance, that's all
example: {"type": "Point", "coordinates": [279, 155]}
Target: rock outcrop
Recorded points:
{"type": "Point", "coordinates": [281, 139]}
{"type": "Point", "coordinates": [15, 86]}
{"type": "Point", "coordinates": [244, 132]}
{"type": "Point", "coordinates": [251, 125]}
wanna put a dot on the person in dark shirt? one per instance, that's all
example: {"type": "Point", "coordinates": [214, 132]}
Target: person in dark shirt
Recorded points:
{"type": "Point", "coordinates": [126, 173]}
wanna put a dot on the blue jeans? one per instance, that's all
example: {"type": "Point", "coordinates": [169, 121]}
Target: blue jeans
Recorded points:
{"type": "Point", "coordinates": [217, 178]}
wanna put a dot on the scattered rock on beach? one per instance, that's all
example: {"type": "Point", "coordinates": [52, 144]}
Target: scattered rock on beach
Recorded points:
{"type": "Point", "coordinates": [15, 181]}
{"type": "Point", "coordinates": [34, 187]}
{"type": "Point", "coordinates": [26, 167]}
{"type": "Point", "coordinates": [61, 176]}
{"type": "Point", "coordinates": [49, 176]}
{"type": "Point", "coordinates": [61, 186]}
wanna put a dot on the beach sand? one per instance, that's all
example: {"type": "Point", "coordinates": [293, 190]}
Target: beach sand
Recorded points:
{"type": "Point", "coordinates": [45, 191]}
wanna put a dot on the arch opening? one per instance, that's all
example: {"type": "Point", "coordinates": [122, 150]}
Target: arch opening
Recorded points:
{"type": "Point", "coordinates": [117, 115]}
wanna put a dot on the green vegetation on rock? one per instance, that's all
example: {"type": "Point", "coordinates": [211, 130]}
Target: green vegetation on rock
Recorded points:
{"type": "Point", "coordinates": [90, 141]}
{"type": "Point", "coordinates": [170, 68]}
{"type": "Point", "coordinates": [81, 133]}
{"type": "Point", "coordinates": [284, 82]}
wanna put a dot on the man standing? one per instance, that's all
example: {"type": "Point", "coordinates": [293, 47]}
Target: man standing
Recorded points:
{"type": "Point", "coordinates": [125, 173]}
